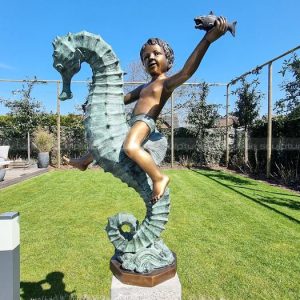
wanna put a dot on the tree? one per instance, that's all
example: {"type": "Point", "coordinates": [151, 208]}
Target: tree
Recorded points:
{"type": "Point", "coordinates": [135, 71]}
{"type": "Point", "coordinates": [201, 115]}
{"type": "Point", "coordinates": [290, 104]}
{"type": "Point", "coordinates": [25, 112]}
{"type": "Point", "coordinates": [247, 107]}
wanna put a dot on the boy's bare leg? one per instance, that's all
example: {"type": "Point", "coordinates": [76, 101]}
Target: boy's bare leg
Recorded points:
{"type": "Point", "coordinates": [80, 163]}
{"type": "Point", "coordinates": [132, 146]}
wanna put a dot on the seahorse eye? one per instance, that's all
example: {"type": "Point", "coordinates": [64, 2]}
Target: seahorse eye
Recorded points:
{"type": "Point", "coordinates": [59, 67]}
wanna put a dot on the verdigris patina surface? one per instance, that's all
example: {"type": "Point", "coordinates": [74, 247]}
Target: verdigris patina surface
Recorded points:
{"type": "Point", "coordinates": [141, 250]}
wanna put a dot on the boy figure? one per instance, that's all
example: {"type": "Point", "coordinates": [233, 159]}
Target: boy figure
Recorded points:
{"type": "Point", "coordinates": [157, 58]}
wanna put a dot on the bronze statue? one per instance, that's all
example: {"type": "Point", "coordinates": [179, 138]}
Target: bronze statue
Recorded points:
{"type": "Point", "coordinates": [157, 57]}
{"type": "Point", "coordinates": [131, 151]}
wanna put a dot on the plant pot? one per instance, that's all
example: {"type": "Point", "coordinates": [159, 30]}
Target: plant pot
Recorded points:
{"type": "Point", "coordinates": [2, 170]}
{"type": "Point", "coordinates": [4, 151]}
{"type": "Point", "coordinates": [43, 159]}
{"type": "Point", "coordinates": [2, 173]}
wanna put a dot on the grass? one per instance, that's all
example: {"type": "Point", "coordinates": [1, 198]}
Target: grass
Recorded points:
{"type": "Point", "coordinates": [235, 238]}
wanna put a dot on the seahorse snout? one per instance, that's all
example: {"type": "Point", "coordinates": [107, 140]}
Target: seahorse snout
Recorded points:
{"type": "Point", "coordinates": [65, 95]}
{"type": "Point", "coordinates": [59, 67]}
{"type": "Point", "coordinates": [66, 89]}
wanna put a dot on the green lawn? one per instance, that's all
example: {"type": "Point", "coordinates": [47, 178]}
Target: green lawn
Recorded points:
{"type": "Point", "coordinates": [235, 238]}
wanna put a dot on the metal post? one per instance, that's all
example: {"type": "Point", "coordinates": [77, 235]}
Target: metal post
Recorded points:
{"type": "Point", "coordinates": [269, 138]}
{"type": "Point", "coordinates": [227, 121]}
{"type": "Point", "coordinates": [9, 256]}
{"type": "Point", "coordinates": [28, 146]}
{"type": "Point", "coordinates": [58, 126]}
{"type": "Point", "coordinates": [172, 130]}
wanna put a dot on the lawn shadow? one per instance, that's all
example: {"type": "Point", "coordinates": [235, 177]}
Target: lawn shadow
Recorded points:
{"type": "Point", "coordinates": [275, 193]}
{"type": "Point", "coordinates": [223, 176]}
{"type": "Point", "coordinates": [263, 201]}
{"type": "Point", "coordinates": [281, 202]}
{"type": "Point", "coordinates": [52, 287]}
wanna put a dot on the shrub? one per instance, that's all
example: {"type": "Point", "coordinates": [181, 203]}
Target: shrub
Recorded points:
{"type": "Point", "coordinates": [43, 140]}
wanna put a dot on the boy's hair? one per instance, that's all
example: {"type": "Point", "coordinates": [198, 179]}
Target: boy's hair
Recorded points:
{"type": "Point", "coordinates": [166, 47]}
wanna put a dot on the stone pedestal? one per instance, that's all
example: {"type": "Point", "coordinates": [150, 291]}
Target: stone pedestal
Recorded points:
{"type": "Point", "coordinates": [167, 290]}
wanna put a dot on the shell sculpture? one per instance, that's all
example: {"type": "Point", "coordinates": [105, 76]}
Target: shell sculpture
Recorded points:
{"type": "Point", "coordinates": [140, 250]}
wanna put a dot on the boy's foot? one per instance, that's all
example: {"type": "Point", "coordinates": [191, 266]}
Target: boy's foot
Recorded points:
{"type": "Point", "coordinates": [159, 188]}
{"type": "Point", "coordinates": [78, 163]}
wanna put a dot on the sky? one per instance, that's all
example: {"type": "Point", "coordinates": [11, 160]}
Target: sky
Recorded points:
{"type": "Point", "coordinates": [265, 29]}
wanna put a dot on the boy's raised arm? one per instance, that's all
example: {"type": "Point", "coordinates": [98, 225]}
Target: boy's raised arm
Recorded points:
{"type": "Point", "coordinates": [195, 58]}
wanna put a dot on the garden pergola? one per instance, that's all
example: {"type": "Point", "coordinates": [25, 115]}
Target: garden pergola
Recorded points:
{"type": "Point", "coordinates": [255, 70]}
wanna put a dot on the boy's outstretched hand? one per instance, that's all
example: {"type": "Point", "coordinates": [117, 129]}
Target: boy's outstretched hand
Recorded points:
{"type": "Point", "coordinates": [217, 31]}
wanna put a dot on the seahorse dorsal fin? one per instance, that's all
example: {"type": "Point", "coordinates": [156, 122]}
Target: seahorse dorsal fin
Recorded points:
{"type": "Point", "coordinates": [69, 35]}
{"type": "Point", "coordinates": [55, 41]}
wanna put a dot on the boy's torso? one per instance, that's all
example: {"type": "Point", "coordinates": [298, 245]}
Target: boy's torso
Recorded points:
{"type": "Point", "coordinates": [152, 99]}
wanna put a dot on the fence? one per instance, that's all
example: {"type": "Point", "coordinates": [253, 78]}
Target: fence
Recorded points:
{"type": "Point", "coordinates": [174, 111]}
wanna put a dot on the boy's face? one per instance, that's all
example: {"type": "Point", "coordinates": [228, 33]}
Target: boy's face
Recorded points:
{"type": "Point", "coordinates": [154, 60]}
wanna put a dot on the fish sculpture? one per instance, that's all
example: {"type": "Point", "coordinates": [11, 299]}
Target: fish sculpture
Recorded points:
{"type": "Point", "coordinates": [208, 22]}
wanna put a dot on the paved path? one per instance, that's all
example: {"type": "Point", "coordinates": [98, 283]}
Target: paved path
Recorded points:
{"type": "Point", "coordinates": [16, 175]}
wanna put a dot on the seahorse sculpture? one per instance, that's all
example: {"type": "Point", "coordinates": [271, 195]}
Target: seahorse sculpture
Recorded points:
{"type": "Point", "coordinates": [141, 249]}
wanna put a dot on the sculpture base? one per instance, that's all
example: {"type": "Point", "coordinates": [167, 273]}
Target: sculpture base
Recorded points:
{"type": "Point", "coordinates": [168, 290]}
{"type": "Point", "coordinates": [145, 280]}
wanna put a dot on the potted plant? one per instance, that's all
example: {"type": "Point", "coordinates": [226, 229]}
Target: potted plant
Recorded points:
{"type": "Point", "coordinates": [44, 142]}
{"type": "Point", "coordinates": [3, 161]}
